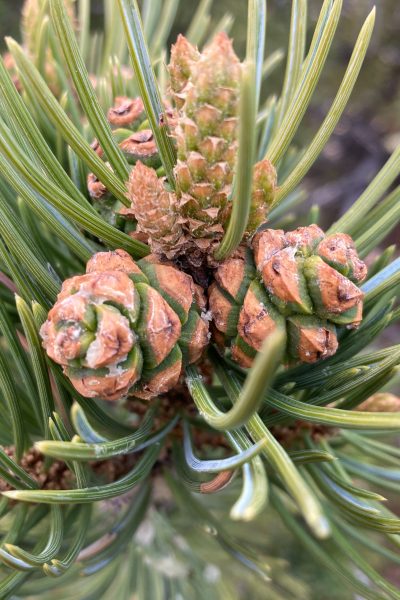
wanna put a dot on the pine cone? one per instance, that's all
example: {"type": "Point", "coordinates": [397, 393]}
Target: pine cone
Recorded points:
{"type": "Point", "coordinates": [205, 89]}
{"type": "Point", "coordinates": [206, 135]}
{"type": "Point", "coordinates": [125, 329]}
{"type": "Point", "coordinates": [300, 281]}
{"type": "Point", "coordinates": [155, 209]}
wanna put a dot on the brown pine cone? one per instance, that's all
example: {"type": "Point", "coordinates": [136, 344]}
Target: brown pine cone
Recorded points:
{"type": "Point", "coordinates": [125, 329]}
{"type": "Point", "coordinates": [303, 282]}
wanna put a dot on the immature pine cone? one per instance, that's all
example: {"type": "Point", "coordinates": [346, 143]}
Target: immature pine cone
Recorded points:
{"type": "Point", "coordinates": [205, 88]}
{"type": "Point", "coordinates": [125, 329]}
{"type": "Point", "coordinates": [300, 281]}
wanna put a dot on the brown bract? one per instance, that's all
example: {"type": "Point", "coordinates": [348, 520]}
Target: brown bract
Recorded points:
{"type": "Point", "coordinates": [304, 239]}
{"type": "Point", "coordinates": [281, 276]}
{"type": "Point", "coordinates": [221, 307]}
{"type": "Point", "coordinates": [230, 273]}
{"type": "Point", "coordinates": [111, 388]}
{"type": "Point", "coordinates": [95, 145]}
{"type": "Point", "coordinates": [96, 188]}
{"type": "Point", "coordinates": [199, 341]}
{"type": "Point", "coordinates": [162, 327]}
{"type": "Point", "coordinates": [310, 341]}
{"type": "Point", "coordinates": [99, 287]}
{"type": "Point", "coordinates": [177, 284]}
{"type": "Point", "coordinates": [255, 321]}
{"type": "Point", "coordinates": [340, 252]}
{"type": "Point", "coordinates": [338, 293]}
{"type": "Point", "coordinates": [266, 244]}
{"type": "Point", "coordinates": [114, 339]}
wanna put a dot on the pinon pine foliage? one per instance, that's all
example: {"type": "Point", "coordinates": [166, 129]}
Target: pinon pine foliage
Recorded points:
{"type": "Point", "coordinates": [186, 386]}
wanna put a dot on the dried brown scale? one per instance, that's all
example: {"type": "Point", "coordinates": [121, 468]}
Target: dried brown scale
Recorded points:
{"type": "Point", "coordinates": [56, 477]}
{"type": "Point", "coordinates": [114, 333]}
{"type": "Point", "coordinates": [113, 469]}
{"type": "Point", "coordinates": [97, 190]}
{"type": "Point", "coordinates": [140, 236]}
{"type": "Point", "coordinates": [286, 283]}
{"type": "Point", "coordinates": [125, 117]}
{"type": "Point", "coordinates": [255, 323]}
{"type": "Point", "coordinates": [292, 436]}
{"type": "Point", "coordinates": [339, 251]}
{"type": "Point", "coordinates": [126, 111]}
{"type": "Point", "coordinates": [218, 483]}
{"type": "Point", "coordinates": [95, 145]}
{"type": "Point", "coordinates": [118, 260]}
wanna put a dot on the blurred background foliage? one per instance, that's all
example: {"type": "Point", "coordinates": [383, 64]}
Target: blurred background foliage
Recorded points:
{"type": "Point", "coordinates": [367, 133]}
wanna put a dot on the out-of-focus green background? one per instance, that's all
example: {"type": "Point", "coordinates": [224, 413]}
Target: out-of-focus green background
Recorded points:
{"type": "Point", "coordinates": [370, 126]}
